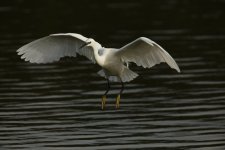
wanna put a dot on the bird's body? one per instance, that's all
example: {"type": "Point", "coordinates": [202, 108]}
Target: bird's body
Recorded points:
{"type": "Point", "coordinates": [112, 64]}
{"type": "Point", "coordinates": [143, 51]}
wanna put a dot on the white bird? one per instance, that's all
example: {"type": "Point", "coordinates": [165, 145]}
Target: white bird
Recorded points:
{"type": "Point", "coordinates": [114, 62]}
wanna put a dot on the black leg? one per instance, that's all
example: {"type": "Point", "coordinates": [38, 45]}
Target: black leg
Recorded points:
{"type": "Point", "coordinates": [118, 96]}
{"type": "Point", "coordinates": [122, 87]}
{"type": "Point", "coordinates": [108, 87]}
{"type": "Point", "coordinates": [104, 96]}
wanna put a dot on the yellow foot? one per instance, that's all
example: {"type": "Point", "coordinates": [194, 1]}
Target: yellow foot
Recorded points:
{"type": "Point", "coordinates": [103, 101]}
{"type": "Point", "coordinates": [118, 101]}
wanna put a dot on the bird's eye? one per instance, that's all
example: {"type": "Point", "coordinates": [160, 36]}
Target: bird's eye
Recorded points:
{"type": "Point", "coordinates": [89, 42]}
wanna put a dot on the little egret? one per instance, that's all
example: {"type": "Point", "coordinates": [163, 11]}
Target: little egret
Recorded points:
{"type": "Point", "coordinates": [114, 62]}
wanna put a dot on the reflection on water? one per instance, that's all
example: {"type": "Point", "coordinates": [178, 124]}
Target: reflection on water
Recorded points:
{"type": "Point", "coordinates": [57, 106]}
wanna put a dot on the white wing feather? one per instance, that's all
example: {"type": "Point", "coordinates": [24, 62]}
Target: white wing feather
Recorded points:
{"type": "Point", "coordinates": [53, 47]}
{"type": "Point", "coordinates": [146, 53]}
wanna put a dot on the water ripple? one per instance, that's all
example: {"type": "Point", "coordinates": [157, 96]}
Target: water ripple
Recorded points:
{"type": "Point", "coordinates": [58, 105]}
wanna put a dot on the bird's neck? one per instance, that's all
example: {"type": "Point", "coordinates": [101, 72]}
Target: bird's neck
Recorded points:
{"type": "Point", "coordinates": [100, 59]}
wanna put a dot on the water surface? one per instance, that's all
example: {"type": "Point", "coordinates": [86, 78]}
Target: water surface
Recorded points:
{"type": "Point", "coordinates": [57, 106]}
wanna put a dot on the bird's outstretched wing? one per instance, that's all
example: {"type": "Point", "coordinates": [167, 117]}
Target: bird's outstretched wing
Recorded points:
{"type": "Point", "coordinates": [53, 47]}
{"type": "Point", "coordinates": [144, 52]}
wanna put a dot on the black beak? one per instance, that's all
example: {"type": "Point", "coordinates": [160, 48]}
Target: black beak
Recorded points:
{"type": "Point", "coordinates": [85, 44]}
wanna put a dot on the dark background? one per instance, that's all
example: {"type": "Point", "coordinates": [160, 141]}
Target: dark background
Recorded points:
{"type": "Point", "coordinates": [57, 106]}
{"type": "Point", "coordinates": [108, 20]}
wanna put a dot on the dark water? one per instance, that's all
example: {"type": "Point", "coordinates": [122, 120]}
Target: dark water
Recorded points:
{"type": "Point", "coordinates": [57, 106]}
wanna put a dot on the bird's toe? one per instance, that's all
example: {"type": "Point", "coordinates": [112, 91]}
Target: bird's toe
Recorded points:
{"type": "Point", "coordinates": [103, 101]}
{"type": "Point", "coordinates": [118, 101]}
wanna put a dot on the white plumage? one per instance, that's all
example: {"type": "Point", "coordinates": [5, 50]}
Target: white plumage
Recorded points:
{"type": "Point", "coordinates": [52, 48]}
{"type": "Point", "coordinates": [143, 51]}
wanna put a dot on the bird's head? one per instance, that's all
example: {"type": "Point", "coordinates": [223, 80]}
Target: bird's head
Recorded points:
{"type": "Point", "coordinates": [90, 42]}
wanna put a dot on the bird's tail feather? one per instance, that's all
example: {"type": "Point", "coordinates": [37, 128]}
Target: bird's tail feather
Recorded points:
{"type": "Point", "coordinates": [111, 78]}
{"type": "Point", "coordinates": [102, 73]}
{"type": "Point", "coordinates": [128, 75]}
